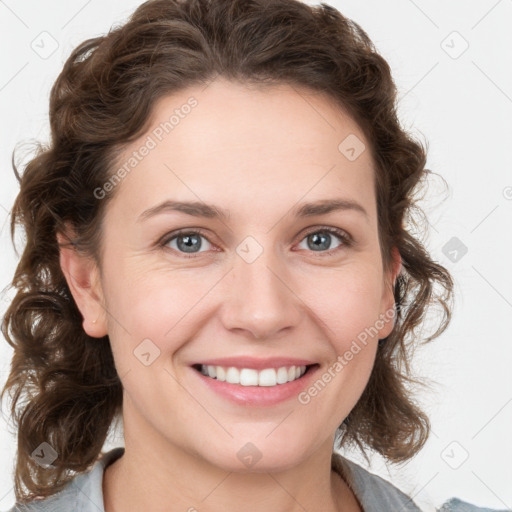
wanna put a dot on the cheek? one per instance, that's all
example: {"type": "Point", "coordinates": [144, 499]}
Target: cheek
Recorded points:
{"type": "Point", "coordinates": [347, 303]}
{"type": "Point", "coordinates": [347, 316]}
{"type": "Point", "coordinates": [155, 304]}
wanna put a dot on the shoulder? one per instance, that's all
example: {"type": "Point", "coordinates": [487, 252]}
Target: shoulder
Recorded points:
{"type": "Point", "coordinates": [379, 495]}
{"type": "Point", "coordinates": [374, 493]}
{"type": "Point", "coordinates": [65, 499]}
{"type": "Point", "coordinates": [457, 505]}
{"type": "Point", "coordinates": [82, 494]}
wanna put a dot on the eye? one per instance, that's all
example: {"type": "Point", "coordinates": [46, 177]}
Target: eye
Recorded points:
{"type": "Point", "coordinates": [321, 238]}
{"type": "Point", "coordinates": [188, 242]}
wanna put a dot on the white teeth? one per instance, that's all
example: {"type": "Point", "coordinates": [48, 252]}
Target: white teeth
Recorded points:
{"type": "Point", "coordinates": [248, 377]}
{"type": "Point", "coordinates": [251, 377]}
{"type": "Point", "coordinates": [282, 375]}
{"type": "Point", "coordinates": [233, 375]}
{"type": "Point", "coordinates": [219, 371]}
{"type": "Point", "coordinates": [267, 377]}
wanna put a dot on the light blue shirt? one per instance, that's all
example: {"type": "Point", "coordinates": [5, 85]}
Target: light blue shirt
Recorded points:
{"type": "Point", "coordinates": [85, 492]}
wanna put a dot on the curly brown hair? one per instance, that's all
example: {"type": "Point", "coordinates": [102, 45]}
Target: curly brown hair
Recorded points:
{"type": "Point", "coordinates": [64, 386]}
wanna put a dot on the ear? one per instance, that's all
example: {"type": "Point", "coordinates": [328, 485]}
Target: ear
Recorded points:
{"type": "Point", "coordinates": [83, 278]}
{"type": "Point", "coordinates": [388, 296]}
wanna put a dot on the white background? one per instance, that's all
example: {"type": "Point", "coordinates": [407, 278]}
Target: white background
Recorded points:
{"type": "Point", "coordinates": [462, 105]}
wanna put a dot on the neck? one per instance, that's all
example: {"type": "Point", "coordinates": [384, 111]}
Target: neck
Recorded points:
{"type": "Point", "coordinates": [156, 475]}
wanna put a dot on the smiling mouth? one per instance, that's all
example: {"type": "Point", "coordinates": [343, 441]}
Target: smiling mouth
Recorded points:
{"type": "Point", "coordinates": [266, 377]}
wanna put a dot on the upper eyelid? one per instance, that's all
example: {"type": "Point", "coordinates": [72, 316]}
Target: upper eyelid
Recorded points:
{"type": "Point", "coordinates": [330, 229]}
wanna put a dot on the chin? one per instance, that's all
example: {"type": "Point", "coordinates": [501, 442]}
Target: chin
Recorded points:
{"type": "Point", "coordinates": [258, 456]}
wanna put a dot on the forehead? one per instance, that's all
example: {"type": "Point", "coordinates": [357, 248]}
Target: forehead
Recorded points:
{"type": "Point", "coordinates": [229, 114]}
{"type": "Point", "coordinates": [280, 141]}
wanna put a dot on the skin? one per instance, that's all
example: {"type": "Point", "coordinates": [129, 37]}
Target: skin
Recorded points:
{"type": "Point", "coordinates": [260, 156]}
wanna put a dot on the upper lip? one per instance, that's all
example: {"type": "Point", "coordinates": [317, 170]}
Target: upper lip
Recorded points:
{"type": "Point", "coordinates": [255, 363]}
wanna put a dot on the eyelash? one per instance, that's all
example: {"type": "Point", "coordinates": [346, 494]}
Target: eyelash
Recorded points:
{"type": "Point", "coordinates": [345, 238]}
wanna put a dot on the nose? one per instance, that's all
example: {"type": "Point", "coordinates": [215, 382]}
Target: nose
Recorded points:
{"type": "Point", "coordinates": [260, 298]}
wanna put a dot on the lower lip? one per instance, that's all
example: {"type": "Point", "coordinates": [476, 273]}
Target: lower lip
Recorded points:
{"type": "Point", "coordinates": [258, 395]}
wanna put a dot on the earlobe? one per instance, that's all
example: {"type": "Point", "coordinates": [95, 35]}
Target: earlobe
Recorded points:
{"type": "Point", "coordinates": [82, 277]}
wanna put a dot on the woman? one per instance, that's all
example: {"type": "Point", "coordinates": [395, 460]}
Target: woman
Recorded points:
{"type": "Point", "coordinates": [217, 253]}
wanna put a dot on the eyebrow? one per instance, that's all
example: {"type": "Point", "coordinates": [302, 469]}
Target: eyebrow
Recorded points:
{"type": "Point", "coordinates": [194, 208]}
{"type": "Point", "coordinates": [325, 206]}
{"type": "Point", "coordinates": [200, 209]}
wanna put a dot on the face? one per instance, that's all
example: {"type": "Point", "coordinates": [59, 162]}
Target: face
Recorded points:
{"type": "Point", "coordinates": [249, 278]}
